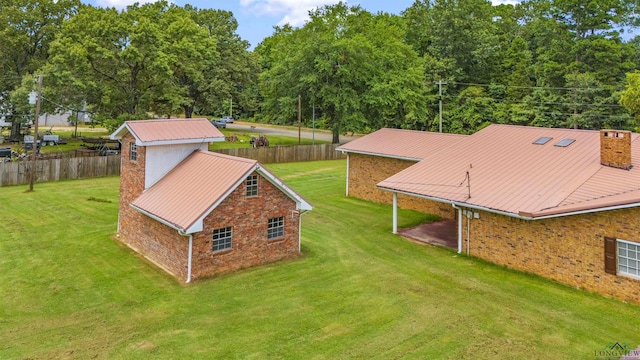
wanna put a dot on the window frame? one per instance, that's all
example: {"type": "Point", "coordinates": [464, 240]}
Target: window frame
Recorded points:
{"type": "Point", "coordinates": [224, 240]}
{"type": "Point", "coordinates": [133, 151]}
{"type": "Point", "coordinates": [626, 260]}
{"type": "Point", "coordinates": [275, 228]}
{"type": "Point", "coordinates": [251, 186]}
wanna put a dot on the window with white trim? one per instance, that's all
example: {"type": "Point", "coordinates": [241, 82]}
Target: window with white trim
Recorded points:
{"type": "Point", "coordinates": [133, 151]}
{"type": "Point", "coordinates": [222, 239]}
{"type": "Point", "coordinates": [275, 229]}
{"type": "Point", "coordinates": [629, 258]}
{"type": "Point", "coordinates": [252, 185]}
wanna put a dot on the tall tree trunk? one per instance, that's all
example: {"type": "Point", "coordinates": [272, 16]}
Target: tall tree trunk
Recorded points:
{"type": "Point", "coordinates": [188, 111]}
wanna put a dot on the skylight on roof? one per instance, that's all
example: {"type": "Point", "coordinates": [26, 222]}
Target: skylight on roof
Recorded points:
{"type": "Point", "coordinates": [565, 142]}
{"type": "Point", "coordinates": [543, 140]}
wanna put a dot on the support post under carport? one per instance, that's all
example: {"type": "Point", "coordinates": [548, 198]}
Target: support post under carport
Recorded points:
{"type": "Point", "coordinates": [395, 213]}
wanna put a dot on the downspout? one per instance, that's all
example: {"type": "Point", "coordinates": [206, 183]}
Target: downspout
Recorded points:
{"type": "Point", "coordinates": [395, 213]}
{"type": "Point", "coordinates": [347, 190]}
{"type": "Point", "coordinates": [459, 227]}
{"type": "Point", "coordinates": [469, 215]}
{"type": "Point", "coordinates": [190, 256]}
{"type": "Point", "coordinates": [302, 212]}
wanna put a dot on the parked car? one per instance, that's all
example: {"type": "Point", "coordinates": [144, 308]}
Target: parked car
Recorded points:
{"type": "Point", "coordinates": [228, 119]}
{"type": "Point", "coordinates": [219, 123]}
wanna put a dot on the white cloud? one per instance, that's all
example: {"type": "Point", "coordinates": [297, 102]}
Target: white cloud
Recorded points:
{"type": "Point", "coordinates": [293, 12]}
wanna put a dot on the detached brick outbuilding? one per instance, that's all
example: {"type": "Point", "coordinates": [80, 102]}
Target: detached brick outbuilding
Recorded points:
{"type": "Point", "coordinates": [560, 203]}
{"type": "Point", "coordinates": [196, 213]}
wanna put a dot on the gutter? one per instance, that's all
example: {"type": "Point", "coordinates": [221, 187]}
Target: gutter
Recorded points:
{"type": "Point", "coordinates": [302, 212]}
{"type": "Point", "coordinates": [190, 256]}
{"type": "Point", "coordinates": [380, 155]}
{"type": "Point", "coordinates": [513, 215]}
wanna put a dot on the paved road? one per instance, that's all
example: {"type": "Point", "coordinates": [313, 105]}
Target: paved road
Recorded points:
{"type": "Point", "coordinates": [305, 133]}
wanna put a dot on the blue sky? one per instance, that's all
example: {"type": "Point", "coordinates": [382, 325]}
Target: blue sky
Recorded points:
{"type": "Point", "coordinates": [256, 18]}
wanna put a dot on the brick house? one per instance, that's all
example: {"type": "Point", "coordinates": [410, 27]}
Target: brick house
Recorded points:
{"type": "Point", "coordinates": [196, 213]}
{"type": "Point", "coordinates": [560, 203]}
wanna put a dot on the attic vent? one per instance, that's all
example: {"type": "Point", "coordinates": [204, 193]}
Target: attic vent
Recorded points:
{"type": "Point", "coordinates": [564, 142]}
{"type": "Point", "coordinates": [543, 140]}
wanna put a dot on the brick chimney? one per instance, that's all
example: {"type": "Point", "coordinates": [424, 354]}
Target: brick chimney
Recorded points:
{"type": "Point", "coordinates": [615, 148]}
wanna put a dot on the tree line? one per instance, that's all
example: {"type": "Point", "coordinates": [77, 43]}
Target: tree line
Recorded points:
{"type": "Point", "coordinates": [562, 63]}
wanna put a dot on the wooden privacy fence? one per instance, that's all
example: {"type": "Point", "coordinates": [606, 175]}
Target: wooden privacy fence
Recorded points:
{"type": "Point", "coordinates": [17, 173]}
{"type": "Point", "coordinates": [68, 168]}
{"type": "Point", "coordinates": [284, 154]}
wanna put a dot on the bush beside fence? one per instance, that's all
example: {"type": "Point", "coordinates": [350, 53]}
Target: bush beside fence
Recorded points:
{"type": "Point", "coordinates": [68, 168]}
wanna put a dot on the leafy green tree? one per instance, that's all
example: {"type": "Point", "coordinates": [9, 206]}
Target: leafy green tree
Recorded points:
{"type": "Point", "coordinates": [234, 74]}
{"type": "Point", "coordinates": [353, 65]}
{"type": "Point", "coordinates": [459, 34]}
{"type": "Point", "coordinates": [630, 97]}
{"type": "Point", "coordinates": [27, 28]}
{"type": "Point", "coordinates": [517, 66]}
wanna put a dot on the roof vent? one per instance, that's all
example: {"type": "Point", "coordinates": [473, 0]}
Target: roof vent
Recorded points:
{"type": "Point", "coordinates": [565, 142]}
{"type": "Point", "coordinates": [543, 140]}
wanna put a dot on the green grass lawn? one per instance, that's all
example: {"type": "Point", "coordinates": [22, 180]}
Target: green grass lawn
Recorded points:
{"type": "Point", "coordinates": [70, 291]}
{"type": "Point", "coordinates": [244, 138]}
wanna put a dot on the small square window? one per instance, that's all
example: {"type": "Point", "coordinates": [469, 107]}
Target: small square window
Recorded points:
{"type": "Point", "coordinates": [252, 185]}
{"type": "Point", "coordinates": [275, 229]}
{"type": "Point", "coordinates": [222, 238]}
{"type": "Point", "coordinates": [133, 151]}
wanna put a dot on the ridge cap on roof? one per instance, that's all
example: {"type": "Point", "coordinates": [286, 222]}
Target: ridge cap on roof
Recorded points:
{"type": "Point", "coordinates": [418, 131]}
{"type": "Point", "coordinates": [541, 128]}
{"type": "Point", "coordinates": [229, 157]}
{"type": "Point", "coordinates": [164, 120]}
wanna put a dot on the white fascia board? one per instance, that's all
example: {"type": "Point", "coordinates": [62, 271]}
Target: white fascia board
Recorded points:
{"type": "Point", "coordinates": [117, 135]}
{"type": "Point", "coordinates": [513, 215]}
{"type": "Point", "coordinates": [159, 219]}
{"type": "Point", "coordinates": [301, 203]}
{"type": "Point", "coordinates": [380, 155]}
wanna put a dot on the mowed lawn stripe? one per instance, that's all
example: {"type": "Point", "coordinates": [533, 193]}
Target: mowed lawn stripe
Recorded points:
{"type": "Point", "coordinates": [69, 290]}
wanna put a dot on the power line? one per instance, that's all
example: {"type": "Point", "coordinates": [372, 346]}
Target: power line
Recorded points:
{"type": "Point", "coordinates": [537, 87]}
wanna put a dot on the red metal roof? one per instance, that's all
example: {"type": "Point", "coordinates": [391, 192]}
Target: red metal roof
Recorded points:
{"type": "Point", "coordinates": [508, 173]}
{"type": "Point", "coordinates": [404, 144]}
{"type": "Point", "coordinates": [190, 191]}
{"type": "Point", "coordinates": [164, 131]}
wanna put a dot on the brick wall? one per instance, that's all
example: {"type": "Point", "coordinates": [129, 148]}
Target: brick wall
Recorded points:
{"type": "Point", "coordinates": [615, 148]}
{"type": "Point", "coordinates": [568, 249]}
{"type": "Point", "coordinates": [157, 242]}
{"type": "Point", "coordinates": [365, 171]}
{"type": "Point", "coordinates": [167, 249]}
{"type": "Point", "coordinates": [249, 217]}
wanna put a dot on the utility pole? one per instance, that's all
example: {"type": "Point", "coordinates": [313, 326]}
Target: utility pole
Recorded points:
{"type": "Point", "coordinates": [34, 148]}
{"type": "Point", "coordinates": [299, 115]}
{"type": "Point", "coordinates": [231, 107]}
{"type": "Point", "coordinates": [440, 83]}
{"type": "Point", "coordinates": [313, 123]}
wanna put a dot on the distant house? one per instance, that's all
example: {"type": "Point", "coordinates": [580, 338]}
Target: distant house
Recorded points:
{"type": "Point", "coordinates": [196, 213]}
{"type": "Point", "coordinates": [564, 204]}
